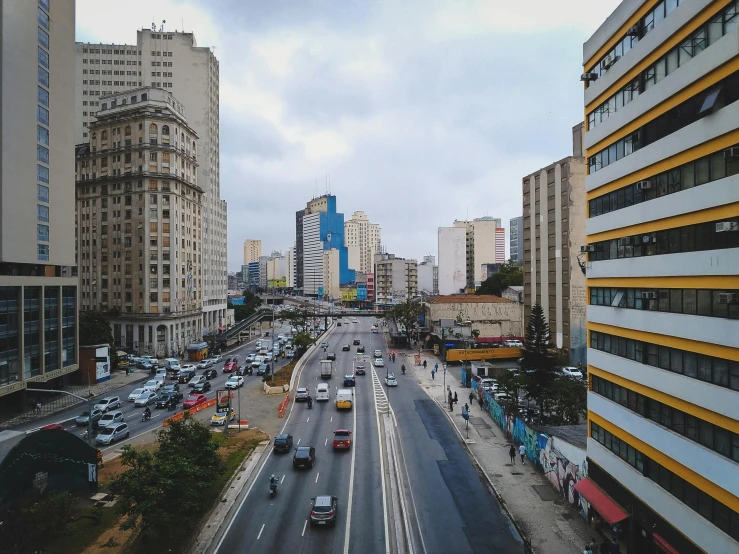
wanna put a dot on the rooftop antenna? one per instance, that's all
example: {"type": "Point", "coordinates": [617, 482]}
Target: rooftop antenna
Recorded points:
{"type": "Point", "coordinates": [162, 28]}
{"type": "Point", "coordinates": [153, 26]}
{"type": "Point", "coordinates": [182, 20]}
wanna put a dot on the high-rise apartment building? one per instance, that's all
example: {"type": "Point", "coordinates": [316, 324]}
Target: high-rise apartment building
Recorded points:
{"type": "Point", "coordinates": [395, 279]}
{"type": "Point", "coordinates": [139, 230]}
{"type": "Point", "coordinates": [38, 278]}
{"type": "Point", "coordinates": [428, 276]}
{"type": "Point", "coordinates": [290, 267]}
{"type": "Point", "coordinates": [173, 61]}
{"type": "Point", "coordinates": [553, 230]}
{"type": "Point", "coordinates": [662, 147]}
{"type": "Point", "coordinates": [485, 244]}
{"type": "Point", "coordinates": [452, 244]}
{"type": "Point", "coordinates": [362, 240]}
{"type": "Point", "coordinates": [515, 240]}
{"type": "Point", "coordinates": [252, 250]}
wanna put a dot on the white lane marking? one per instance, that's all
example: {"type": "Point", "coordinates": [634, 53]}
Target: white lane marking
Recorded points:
{"type": "Point", "coordinates": [332, 418]}
{"type": "Point", "coordinates": [260, 531]}
{"type": "Point", "coordinates": [351, 489]}
{"type": "Point", "coordinates": [299, 440]}
{"type": "Point", "coordinates": [307, 420]}
{"type": "Point", "coordinates": [283, 479]}
{"type": "Point", "coordinates": [304, 526]}
{"type": "Point", "coordinates": [317, 474]}
{"type": "Point", "coordinates": [326, 443]}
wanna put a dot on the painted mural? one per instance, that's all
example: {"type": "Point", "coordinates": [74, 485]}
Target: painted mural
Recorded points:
{"type": "Point", "coordinates": [562, 473]}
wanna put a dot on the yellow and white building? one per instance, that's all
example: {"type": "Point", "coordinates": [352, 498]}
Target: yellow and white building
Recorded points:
{"type": "Point", "coordinates": [662, 260]}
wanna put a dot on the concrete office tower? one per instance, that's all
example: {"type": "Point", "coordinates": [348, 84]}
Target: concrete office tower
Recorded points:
{"type": "Point", "coordinates": [485, 244]}
{"type": "Point", "coordinates": [170, 60]}
{"type": "Point", "coordinates": [515, 240]}
{"type": "Point", "coordinates": [554, 200]}
{"type": "Point", "coordinates": [395, 279]}
{"type": "Point", "coordinates": [331, 271]}
{"type": "Point", "coordinates": [662, 148]}
{"type": "Point", "coordinates": [362, 240]}
{"type": "Point", "coordinates": [138, 225]}
{"type": "Point", "coordinates": [252, 250]}
{"type": "Point", "coordinates": [38, 281]}
{"type": "Point", "coordinates": [452, 244]}
{"type": "Point", "coordinates": [290, 266]}
{"type": "Point", "coordinates": [428, 276]}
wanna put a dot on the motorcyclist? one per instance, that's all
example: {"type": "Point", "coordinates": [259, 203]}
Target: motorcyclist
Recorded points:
{"type": "Point", "coordinates": [310, 401]}
{"type": "Point", "coordinates": [147, 413]}
{"type": "Point", "coordinates": [273, 482]}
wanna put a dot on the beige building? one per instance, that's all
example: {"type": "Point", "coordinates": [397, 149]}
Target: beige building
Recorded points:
{"type": "Point", "coordinates": [484, 244]}
{"type": "Point", "coordinates": [38, 285]}
{"type": "Point", "coordinates": [493, 316]}
{"type": "Point", "coordinates": [173, 61]}
{"type": "Point", "coordinates": [396, 279]}
{"type": "Point", "coordinates": [252, 250]}
{"type": "Point", "coordinates": [551, 249]}
{"type": "Point", "coordinates": [362, 240]}
{"type": "Point", "coordinates": [139, 224]}
{"type": "Point", "coordinates": [331, 287]}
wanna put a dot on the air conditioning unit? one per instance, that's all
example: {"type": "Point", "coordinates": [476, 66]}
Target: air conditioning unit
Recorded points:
{"type": "Point", "coordinates": [728, 298]}
{"type": "Point", "coordinates": [606, 62]}
{"type": "Point", "coordinates": [587, 77]}
{"type": "Point", "coordinates": [723, 226]}
{"type": "Point", "coordinates": [587, 248]}
{"type": "Point", "coordinates": [643, 185]}
{"type": "Point", "coordinates": [633, 31]}
{"type": "Point", "coordinates": [732, 153]}
{"type": "Point", "coordinates": [649, 295]}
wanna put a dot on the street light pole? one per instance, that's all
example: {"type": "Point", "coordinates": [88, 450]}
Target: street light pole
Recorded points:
{"type": "Point", "coordinates": [89, 407]}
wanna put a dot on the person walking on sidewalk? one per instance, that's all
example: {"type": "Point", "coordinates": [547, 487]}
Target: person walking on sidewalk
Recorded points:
{"type": "Point", "coordinates": [455, 397]}
{"type": "Point", "coordinates": [432, 374]}
{"type": "Point", "coordinates": [522, 451]}
{"type": "Point", "coordinates": [512, 454]}
{"type": "Point", "coordinates": [424, 364]}
{"type": "Point", "coordinates": [471, 397]}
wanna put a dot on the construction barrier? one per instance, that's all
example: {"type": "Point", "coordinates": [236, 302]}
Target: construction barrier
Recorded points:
{"type": "Point", "coordinates": [196, 409]}
{"type": "Point", "coordinates": [282, 406]}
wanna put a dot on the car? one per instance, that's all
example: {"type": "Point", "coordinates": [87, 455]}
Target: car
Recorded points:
{"type": "Point", "coordinates": [109, 403]}
{"type": "Point", "coordinates": [283, 443]}
{"type": "Point", "coordinates": [338, 323]}
{"type": "Point", "coordinates": [360, 349]}
{"type": "Point", "coordinates": [195, 380]}
{"type": "Point", "coordinates": [379, 362]}
{"type": "Point", "coordinates": [84, 418]}
{"type": "Point", "coordinates": [241, 371]}
{"type": "Point", "coordinates": [268, 357]}
{"type": "Point", "coordinates": [234, 382]}
{"type": "Point", "coordinates": [301, 394]}
{"type": "Point", "coordinates": [217, 359]}
{"type": "Point", "coordinates": [391, 381]}
{"type": "Point", "coordinates": [571, 372]}
{"type": "Point", "coordinates": [154, 384]}
{"type": "Point", "coordinates": [227, 360]}
{"type": "Point", "coordinates": [188, 367]}
{"type": "Point", "coordinates": [263, 369]}
{"type": "Point", "coordinates": [136, 392]}
{"type": "Point", "coordinates": [349, 381]}
{"type": "Point", "coordinates": [210, 374]}
{"type": "Point", "coordinates": [202, 387]}
{"type": "Point", "coordinates": [331, 356]}
{"type": "Point", "coordinates": [324, 344]}
{"type": "Point", "coordinates": [374, 329]}
{"type": "Point", "coordinates": [355, 320]}
{"type": "Point", "coordinates": [144, 364]}
{"type": "Point", "coordinates": [346, 322]}
{"type": "Point", "coordinates": [114, 433]}
{"type": "Point", "coordinates": [360, 369]}
{"type": "Point", "coordinates": [185, 375]}
{"type": "Point", "coordinates": [323, 510]}
{"type": "Point", "coordinates": [194, 400]}
{"type": "Point", "coordinates": [346, 348]}
{"type": "Point", "coordinates": [513, 344]}
{"type": "Point", "coordinates": [378, 353]}
{"type": "Point", "coordinates": [250, 358]}
{"type": "Point", "coordinates": [205, 364]}
{"type": "Point", "coordinates": [219, 418]}
{"type": "Point", "coordinates": [172, 387]}
{"type": "Point", "coordinates": [342, 439]}
{"type": "Point", "coordinates": [304, 456]}
{"type": "Point", "coordinates": [146, 399]}
{"type": "Point", "coordinates": [52, 427]}
{"type": "Point", "coordinates": [231, 365]}
{"type": "Point", "coordinates": [111, 418]}
{"type": "Point", "coordinates": [356, 342]}
{"type": "Point", "coordinates": [165, 398]}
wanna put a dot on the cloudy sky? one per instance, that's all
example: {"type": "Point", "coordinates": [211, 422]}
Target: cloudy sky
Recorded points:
{"type": "Point", "coordinates": [420, 112]}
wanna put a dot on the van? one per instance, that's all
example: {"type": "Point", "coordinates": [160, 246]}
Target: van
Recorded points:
{"type": "Point", "coordinates": [323, 393]}
{"type": "Point", "coordinates": [344, 399]}
{"type": "Point", "coordinates": [171, 364]}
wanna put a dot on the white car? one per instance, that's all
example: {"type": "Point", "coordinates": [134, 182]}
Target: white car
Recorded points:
{"type": "Point", "coordinates": [205, 364]}
{"type": "Point", "coordinates": [250, 358]}
{"type": "Point", "coordinates": [154, 384]}
{"type": "Point", "coordinates": [217, 359]}
{"type": "Point", "coordinates": [107, 404]}
{"type": "Point", "coordinates": [513, 344]}
{"type": "Point", "coordinates": [391, 381]}
{"type": "Point", "coordinates": [378, 353]}
{"type": "Point", "coordinates": [346, 322]}
{"type": "Point", "coordinates": [571, 372]}
{"type": "Point", "coordinates": [135, 393]}
{"type": "Point", "coordinates": [268, 357]}
{"type": "Point", "coordinates": [379, 362]}
{"type": "Point", "coordinates": [234, 382]}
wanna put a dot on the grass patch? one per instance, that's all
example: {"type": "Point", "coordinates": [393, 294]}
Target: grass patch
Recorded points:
{"type": "Point", "coordinates": [83, 533]}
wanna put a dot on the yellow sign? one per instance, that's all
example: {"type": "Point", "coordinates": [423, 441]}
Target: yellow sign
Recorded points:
{"type": "Point", "coordinates": [277, 283]}
{"type": "Point", "coordinates": [480, 354]}
{"type": "Point", "coordinates": [349, 294]}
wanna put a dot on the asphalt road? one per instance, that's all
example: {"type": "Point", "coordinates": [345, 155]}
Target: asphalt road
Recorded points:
{"type": "Point", "coordinates": [280, 524]}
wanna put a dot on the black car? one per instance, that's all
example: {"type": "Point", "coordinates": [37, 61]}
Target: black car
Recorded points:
{"type": "Point", "coordinates": [360, 370]}
{"type": "Point", "coordinates": [338, 323]}
{"type": "Point", "coordinates": [283, 443]}
{"type": "Point", "coordinates": [304, 457]}
{"type": "Point", "coordinates": [210, 374]}
{"type": "Point", "coordinates": [345, 348]}
{"type": "Point", "coordinates": [201, 388]}
{"type": "Point", "coordinates": [331, 356]}
{"type": "Point", "coordinates": [165, 399]}
{"type": "Point", "coordinates": [324, 510]}
{"type": "Point", "coordinates": [185, 375]}
{"type": "Point", "coordinates": [172, 387]}
{"type": "Point", "coordinates": [356, 342]}
{"type": "Point", "coordinates": [350, 381]}
{"type": "Point", "coordinates": [360, 349]}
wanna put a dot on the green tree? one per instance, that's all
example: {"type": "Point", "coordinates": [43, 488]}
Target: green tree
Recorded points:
{"type": "Point", "coordinates": [510, 274]}
{"type": "Point", "coordinates": [302, 341]}
{"type": "Point", "coordinates": [95, 328]}
{"type": "Point", "coordinates": [163, 493]}
{"type": "Point", "coordinates": [250, 306]}
{"type": "Point", "coordinates": [539, 357]}
{"type": "Point", "coordinates": [510, 383]}
{"type": "Point", "coordinates": [475, 333]}
{"type": "Point", "coordinates": [405, 314]}
{"type": "Point", "coordinates": [28, 525]}
{"type": "Point", "coordinates": [569, 400]}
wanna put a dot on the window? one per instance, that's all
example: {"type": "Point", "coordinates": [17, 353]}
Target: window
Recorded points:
{"type": "Point", "coordinates": [43, 18]}
{"type": "Point", "coordinates": [43, 252]}
{"type": "Point", "coordinates": [43, 115]}
{"type": "Point", "coordinates": [43, 76]}
{"type": "Point", "coordinates": [42, 154]}
{"type": "Point", "coordinates": [42, 135]}
{"type": "Point", "coordinates": [43, 38]}
{"type": "Point", "coordinates": [43, 57]}
{"type": "Point", "coordinates": [43, 213]}
{"type": "Point", "coordinates": [42, 173]}
{"type": "Point", "coordinates": [43, 232]}
{"type": "Point", "coordinates": [42, 193]}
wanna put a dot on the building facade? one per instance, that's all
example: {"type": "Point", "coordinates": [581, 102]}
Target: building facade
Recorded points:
{"type": "Point", "coordinates": [554, 200]}
{"type": "Point", "coordinates": [493, 316]}
{"type": "Point", "coordinates": [38, 278]}
{"type": "Point", "coordinates": [515, 240]}
{"type": "Point", "coordinates": [395, 279]}
{"type": "Point", "coordinates": [452, 244]}
{"type": "Point", "coordinates": [173, 61]}
{"type": "Point", "coordinates": [330, 288]}
{"type": "Point", "coordinates": [362, 240]}
{"type": "Point", "coordinates": [139, 230]}
{"type": "Point", "coordinates": [290, 267]}
{"type": "Point", "coordinates": [252, 250]}
{"type": "Point", "coordinates": [484, 244]}
{"type": "Point", "coordinates": [662, 146]}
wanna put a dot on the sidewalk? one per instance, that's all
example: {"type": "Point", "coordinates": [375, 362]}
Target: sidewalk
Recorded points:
{"type": "Point", "coordinates": [550, 524]}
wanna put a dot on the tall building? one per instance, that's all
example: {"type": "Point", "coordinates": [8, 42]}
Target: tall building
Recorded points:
{"type": "Point", "coordinates": [428, 276]}
{"type": "Point", "coordinates": [662, 147]}
{"type": "Point", "coordinates": [299, 215]}
{"type": "Point", "coordinates": [485, 244]}
{"type": "Point", "coordinates": [138, 221]}
{"type": "Point", "coordinates": [173, 61]}
{"type": "Point", "coordinates": [277, 271]}
{"type": "Point", "coordinates": [362, 240]}
{"type": "Point", "coordinates": [290, 266]}
{"type": "Point", "coordinates": [395, 279]}
{"type": "Point", "coordinates": [38, 278]}
{"type": "Point", "coordinates": [452, 243]}
{"type": "Point", "coordinates": [252, 250]}
{"type": "Point", "coordinates": [551, 260]}
{"type": "Point", "coordinates": [515, 240]}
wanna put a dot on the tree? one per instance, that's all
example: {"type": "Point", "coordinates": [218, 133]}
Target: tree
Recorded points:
{"type": "Point", "coordinates": [510, 383]}
{"type": "Point", "coordinates": [302, 341]}
{"type": "Point", "coordinates": [539, 357]}
{"type": "Point", "coordinates": [27, 525]}
{"type": "Point", "coordinates": [510, 274]}
{"type": "Point", "coordinates": [475, 333]}
{"type": "Point", "coordinates": [164, 492]}
{"type": "Point", "coordinates": [95, 328]}
{"type": "Point", "coordinates": [405, 314]}
{"type": "Point", "coordinates": [251, 304]}
{"type": "Point", "coordinates": [569, 398]}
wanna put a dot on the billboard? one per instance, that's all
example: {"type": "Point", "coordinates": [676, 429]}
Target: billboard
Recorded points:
{"type": "Point", "coordinates": [223, 401]}
{"type": "Point", "coordinates": [361, 293]}
{"type": "Point", "coordinates": [320, 291]}
{"type": "Point", "coordinates": [277, 283]}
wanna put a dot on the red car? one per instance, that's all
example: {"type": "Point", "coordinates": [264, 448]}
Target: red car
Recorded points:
{"type": "Point", "coordinates": [53, 427]}
{"type": "Point", "coordinates": [233, 365]}
{"type": "Point", "coordinates": [342, 439]}
{"type": "Point", "coordinates": [194, 400]}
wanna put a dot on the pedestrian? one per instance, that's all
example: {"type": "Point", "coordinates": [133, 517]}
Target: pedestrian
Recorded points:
{"type": "Point", "coordinates": [522, 451]}
{"type": "Point", "coordinates": [472, 396]}
{"type": "Point", "coordinates": [455, 397]}
{"type": "Point", "coordinates": [512, 454]}
{"type": "Point", "coordinates": [432, 374]}
{"type": "Point", "coordinates": [593, 545]}
{"type": "Point", "coordinates": [38, 406]}
{"type": "Point", "coordinates": [424, 364]}
{"type": "Point", "coordinates": [436, 367]}
{"type": "Point", "coordinates": [615, 547]}
{"type": "Point", "coordinates": [587, 550]}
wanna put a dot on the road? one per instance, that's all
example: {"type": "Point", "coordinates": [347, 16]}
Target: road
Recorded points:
{"type": "Point", "coordinates": [451, 506]}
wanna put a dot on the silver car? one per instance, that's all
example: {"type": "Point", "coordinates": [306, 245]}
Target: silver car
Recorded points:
{"type": "Point", "coordinates": [205, 364]}
{"type": "Point", "coordinates": [114, 433]}
{"type": "Point", "coordinates": [84, 417]}
{"type": "Point", "coordinates": [146, 399]}
{"type": "Point", "coordinates": [106, 404]}
{"type": "Point", "coordinates": [111, 418]}
{"type": "Point", "coordinates": [197, 380]}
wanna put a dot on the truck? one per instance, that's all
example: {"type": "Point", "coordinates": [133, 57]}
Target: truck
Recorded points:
{"type": "Point", "coordinates": [327, 369]}
{"type": "Point", "coordinates": [344, 399]}
{"type": "Point", "coordinates": [265, 346]}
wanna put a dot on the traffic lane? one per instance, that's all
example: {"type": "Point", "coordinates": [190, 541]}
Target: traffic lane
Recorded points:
{"type": "Point", "coordinates": [443, 480]}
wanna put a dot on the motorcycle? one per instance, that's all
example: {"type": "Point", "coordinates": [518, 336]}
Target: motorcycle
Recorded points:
{"type": "Point", "coordinates": [145, 417]}
{"type": "Point", "coordinates": [310, 404]}
{"type": "Point", "coordinates": [272, 489]}
{"type": "Point", "coordinates": [86, 435]}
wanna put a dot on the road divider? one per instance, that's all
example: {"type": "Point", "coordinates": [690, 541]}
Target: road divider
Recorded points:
{"type": "Point", "coordinates": [194, 410]}
{"type": "Point", "coordinates": [282, 406]}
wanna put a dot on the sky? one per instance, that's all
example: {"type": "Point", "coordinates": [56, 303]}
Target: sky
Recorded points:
{"type": "Point", "coordinates": [417, 112]}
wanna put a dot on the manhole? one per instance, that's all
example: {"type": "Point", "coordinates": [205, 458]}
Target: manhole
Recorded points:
{"type": "Point", "coordinates": [509, 465]}
{"type": "Point", "coordinates": [478, 421]}
{"type": "Point", "coordinates": [516, 473]}
{"type": "Point", "coordinates": [546, 492]}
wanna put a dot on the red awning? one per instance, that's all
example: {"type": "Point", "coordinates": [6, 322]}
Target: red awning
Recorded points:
{"type": "Point", "coordinates": [664, 545]}
{"type": "Point", "coordinates": [601, 502]}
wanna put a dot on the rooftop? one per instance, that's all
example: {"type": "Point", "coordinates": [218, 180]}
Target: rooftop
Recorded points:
{"type": "Point", "coordinates": [468, 299]}
{"type": "Point", "coordinates": [576, 435]}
